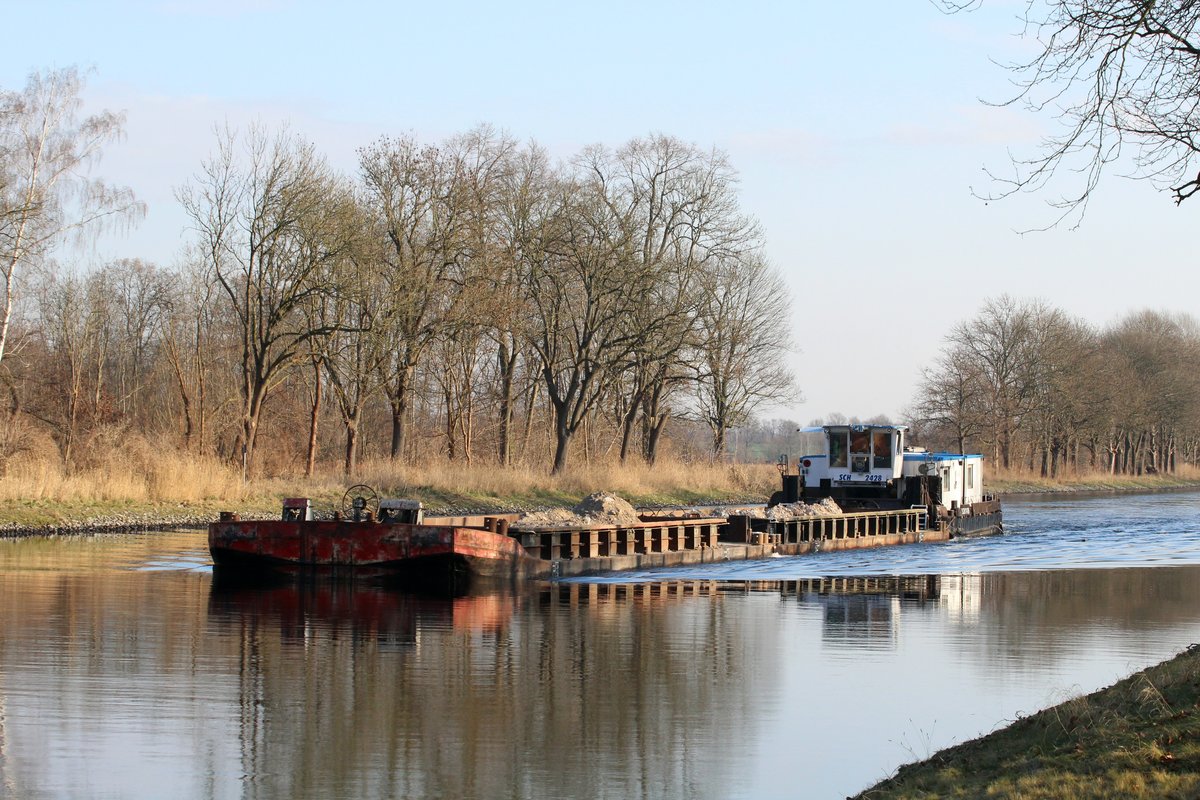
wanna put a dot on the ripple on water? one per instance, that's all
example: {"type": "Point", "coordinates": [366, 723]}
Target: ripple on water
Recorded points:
{"type": "Point", "coordinates": [1122, 531]}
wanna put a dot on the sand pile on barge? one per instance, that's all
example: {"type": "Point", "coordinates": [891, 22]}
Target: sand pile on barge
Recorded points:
{"type": "Point", "coordinates": [783, 512]}
{"type": "Point", "coordinates": [602, 509]}
{"type": "Point", "coordinates": [789, 511]}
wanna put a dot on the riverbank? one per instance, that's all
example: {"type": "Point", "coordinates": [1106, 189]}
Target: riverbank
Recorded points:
{"type": "Point", "coordinates": [178, 493]}
{"type": "Point", "coordinates": [1139, 738]}
{"type": "Point", "coordinates": [1018, 483]}
{"type": "Point", "coordinates": [47, 503]}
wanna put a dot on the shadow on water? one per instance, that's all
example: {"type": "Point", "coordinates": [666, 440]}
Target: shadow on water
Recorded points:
{"type": "Point", "coordinates": [380, 607]}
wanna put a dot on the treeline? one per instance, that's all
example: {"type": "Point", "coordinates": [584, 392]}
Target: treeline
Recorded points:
{"type": "Point", "coordinates": [1041, 390]}
{"type": "Point", "coordinates": [465, 299]}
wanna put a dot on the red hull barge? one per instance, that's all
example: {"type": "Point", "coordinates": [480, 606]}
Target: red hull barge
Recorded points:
{"type": "Point", "coordinates": [394, 538]}
{"type": "Point", "coordinates": [429, 550]}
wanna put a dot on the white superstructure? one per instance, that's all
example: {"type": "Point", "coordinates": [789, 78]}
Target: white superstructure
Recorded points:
{"type": "Point", "coordinates": [856, 456]}
{"type": "Point", "coordinates": [871, 461]}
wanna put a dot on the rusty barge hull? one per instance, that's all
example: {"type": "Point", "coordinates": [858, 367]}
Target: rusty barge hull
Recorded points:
{"type": "Point", "coordinates": [863, 529]}
{"type": "Point", "coordinates": [362, 547]}
{"type": "Point", "coordinates": [459, 549]}
{"type": "Point", "coordinates": [829, 545]}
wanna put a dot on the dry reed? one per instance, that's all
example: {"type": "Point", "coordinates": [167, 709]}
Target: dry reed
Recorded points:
{"type": "Point", "coordinates": [123, 477]}
{"type": "Point", "coordinates": [137, 472]}
{"type": "Point", "coordinates": [1023, 480]}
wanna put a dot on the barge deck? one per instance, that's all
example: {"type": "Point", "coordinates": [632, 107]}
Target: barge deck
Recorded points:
{"type": "Point", "coordinates": [395, 538]}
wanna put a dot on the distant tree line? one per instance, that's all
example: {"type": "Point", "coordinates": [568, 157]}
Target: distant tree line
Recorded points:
{"type": "Point", "coordinates": [463, 299]}
{"type": "Point", "coordinates": [1040, 390]}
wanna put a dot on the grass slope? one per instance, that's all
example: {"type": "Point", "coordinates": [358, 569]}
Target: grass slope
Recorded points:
{"type": "Point", "coordinates": [1139, 738]}
{"type": "Point", "coordinates": [1028, 483]}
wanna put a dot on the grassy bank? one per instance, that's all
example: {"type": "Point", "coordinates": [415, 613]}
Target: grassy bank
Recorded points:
{"type": "Point", "coordinates": [1137, 739]}
{"type": "Point", "coordinates": [138, 484]}
{"type": "Point", "coordinates": [1019, 482]}
{"type": "Point", "coordinates": [170, 487]}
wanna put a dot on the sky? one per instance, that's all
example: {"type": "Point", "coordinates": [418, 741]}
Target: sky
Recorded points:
{"type": "Point", "coordinates": [861, 134]}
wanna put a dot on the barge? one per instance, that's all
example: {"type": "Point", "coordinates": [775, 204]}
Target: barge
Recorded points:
{"type": "Point", "coordinates": [394, 537]}
{"type": "Point", "coordinates": [885, 494]}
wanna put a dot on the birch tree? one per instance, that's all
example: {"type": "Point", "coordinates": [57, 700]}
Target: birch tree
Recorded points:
{"type": "Point", "coordinates": [47, 191]}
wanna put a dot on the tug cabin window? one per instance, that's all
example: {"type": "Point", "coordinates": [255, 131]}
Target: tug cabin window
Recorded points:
{"type": "Point", "coordinates": [863, 449]}
{"type": "Point", "coordinates": [860, 451]}
{"type": "Point", "coordinates": [882, 441]}
{"type": "Point", "coordinates": [837, 449]}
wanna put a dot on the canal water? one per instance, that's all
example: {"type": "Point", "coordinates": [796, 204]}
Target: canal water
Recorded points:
{"type": "Point", "coordinates": [125, 672]}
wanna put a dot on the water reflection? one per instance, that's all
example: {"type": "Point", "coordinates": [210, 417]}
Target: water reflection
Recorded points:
{"type": "Point", "coordinates": [353, 690]}
{"type": "Point", "coordinates": [365, 611]}
{"type": "Point", "coordinates": [679, 688]}
{"type": "Point", "coordinates": [123, 676]}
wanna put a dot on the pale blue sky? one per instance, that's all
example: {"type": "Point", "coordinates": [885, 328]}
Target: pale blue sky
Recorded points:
{"type": "Point", "coordinates": [857, 129]}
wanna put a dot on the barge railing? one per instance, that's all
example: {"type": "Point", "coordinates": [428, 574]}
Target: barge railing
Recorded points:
{"type": "Point", "coordinates": [853, 525]}
{"type": "Point", "coordinates": [552, 544]}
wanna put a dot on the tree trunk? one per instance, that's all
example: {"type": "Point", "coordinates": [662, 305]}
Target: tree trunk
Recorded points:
{"type": "Point", "coordinates": [652, 440]}
{"type": "Point", "coordinates": [184, 398]}
{"type": "Point", "coordinates": [399, 403]}
{"type": "Point", "coordinates": [627, 421]}
{"type": "Point", "coordinates": [535, 389]}
{"type": "Point", "coordinates": [200, 398]}
{"type": "Point", "coordinates": [718, 440]}
{"type": "Point", "coordinates": [562, 439]}
{"type": "Point", "coordinates": [506, 361]}
{"type": "Point", "coordinates": [250, 420]}
{"type": "Point", "coordinates": [351, 462]}
{"type": "Point", "coordinates": [310, 462]}
{"type": "Point", "coordinates": [451, 424]}
{"type": "Point", "coordinates": [467, 428]}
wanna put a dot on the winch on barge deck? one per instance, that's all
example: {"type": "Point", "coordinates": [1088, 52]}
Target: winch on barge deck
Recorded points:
{"type": "Point", "coordinates": [889, 493]}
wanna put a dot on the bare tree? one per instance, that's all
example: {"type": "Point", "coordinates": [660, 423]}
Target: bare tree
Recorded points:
{"type": "Point", "coordinates": [187, 336]}
{"type": "Point", "coordinates": [46, 193]}
{"type": "Point", "coordinates": [414, 195]}
{"type": "Point", "coordinates": [952, 395]}
{"type": "Point", "coordinates": [1064, 371]}
{"type": "Point", "coordinates": [75, 317]}
{"type": "Point", "coordinates": [142, 297]}
{"type": "Point", "coordinates": [494, 176]}
{"type": "Point", "coordinates": [1157, 356]}
{"type": "Point", "coordinates": [353, 358]}
{"type": "Point", "coordinates": [581, 296]}
{"type": "Point", "coordinates": [682, 214]}
{"type": "Point", "coordinates": [271, 217]}
{"type": "Point", "coordinates": [742, 345]}
{"type": "Point", "coordinates": [525, 216]}
{"type": "Point", "coordinates": [1040, 387]}
{"type": "Point", "coordinates": [1000, 343]}
{"type": "Point", "coordinates": [1118, 75]}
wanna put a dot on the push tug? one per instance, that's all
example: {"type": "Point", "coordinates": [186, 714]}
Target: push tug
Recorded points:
{"type": "Point", "coordinates": [870, 468]}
